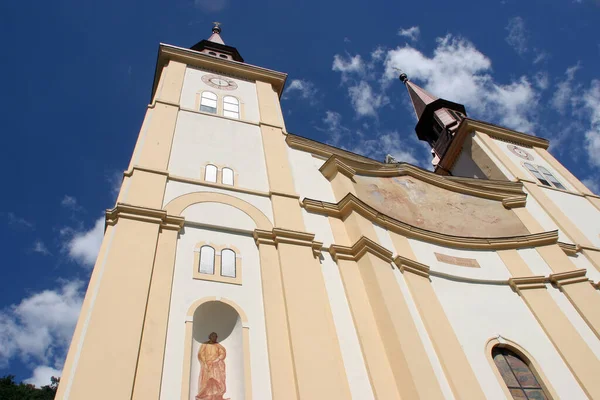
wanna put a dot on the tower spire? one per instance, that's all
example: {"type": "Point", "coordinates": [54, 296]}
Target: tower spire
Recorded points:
{"type": "Point", "coordinates": [216, 47]}
{"type": "Point", "coordinates": [216, 34]}
{"type": "Point", "coordinates": [438, 118]}
{"type": "Point", "coordinates": [420, 97]}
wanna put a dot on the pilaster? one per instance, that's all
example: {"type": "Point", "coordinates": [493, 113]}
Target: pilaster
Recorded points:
{"type": "Point", "coordinates": [584, 365]}
{"type": "Point", "coordinates": [454, 362]}
{"type": "Point", "coordinates": [106, 345]}
{"type": "Point", "coordinates": [413, 374]}
{"type": "Point", "coordinates": [317, 358]}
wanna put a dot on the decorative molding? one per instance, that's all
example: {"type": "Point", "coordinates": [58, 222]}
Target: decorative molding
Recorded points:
{"type": "Point", "coordinates": [351, 203]}
{"type": "Point", "coordinates": [526, 283]}
{"type": "Point", "coordinates": [324, 150]}
{"type": "Point", "coordinates": [415, 267]}
{"type": "Point", "coordinates": [511, 195]}
{"type": "Point", "coordinates": [279, 235]}
{"type": "Point", "coordinates": [561, 279]}
{"type": "Point", "coordinates": [359, 249]}
{"type": "Point", "coordinates": [143, 214]}
{"type": "Point", "coordinates": [333, 165]}
{"type": "Point", "coordinates": [570, 249]}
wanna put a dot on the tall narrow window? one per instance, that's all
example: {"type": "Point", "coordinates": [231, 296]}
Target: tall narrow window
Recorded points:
{"type": "Point", "coordinates": [228, 263]}
{"type": "Point", "coordinates": [210, 173]}
{"type": "Point", "coordinates": [538, 175]}
{"type": "Point", "coordinates": [231, 107]}
{"type": "Point", "coordinates": [208, 102]}
{"type": "Point", "coordinates": [551, 177]}
{"type": "Point", "coordinates": [518, 376]}
{"type": "Point", "coordinates": [207, 260]}
{"type": "Point", "coordinates": [227, 176]}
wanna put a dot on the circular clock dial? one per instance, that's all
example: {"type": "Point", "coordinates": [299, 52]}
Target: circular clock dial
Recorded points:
{"type": "Point", "coordinates": [520, 152]}
{"type": "Point", "coordinates": [219, 82]}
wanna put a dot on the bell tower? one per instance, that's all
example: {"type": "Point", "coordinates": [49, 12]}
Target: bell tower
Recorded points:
{"type": "Point", "coordinates": [438, 119]}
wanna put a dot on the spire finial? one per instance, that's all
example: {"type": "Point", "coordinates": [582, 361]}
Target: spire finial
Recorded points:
{"type": "Point", "coordinates": [217, 27]}
{"type": "Point", "coordinates": [403, 77]}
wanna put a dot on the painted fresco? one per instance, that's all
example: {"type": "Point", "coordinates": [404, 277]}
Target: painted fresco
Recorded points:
{"type": "Point", "coordinates": [439, 210]}
{"type": "Point", "coordinates": [212, 380]}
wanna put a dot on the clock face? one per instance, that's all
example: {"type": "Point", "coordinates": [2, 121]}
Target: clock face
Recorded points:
{"type": "Point", "coordinates": [219, 82]}
{"type": "Point", "coordinates": [520, 152]}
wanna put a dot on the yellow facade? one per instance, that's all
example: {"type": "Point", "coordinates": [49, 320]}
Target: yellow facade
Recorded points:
{"type": "Point", "coordinates": [350, 287]}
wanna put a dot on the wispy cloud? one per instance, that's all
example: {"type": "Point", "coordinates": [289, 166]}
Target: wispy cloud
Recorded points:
{"type": "Point", "coordinates": [82, 246]}
{"type": "Point", "coordinates": [40, 248]}
{"type": "Point", "coordinates": [304, 89]}
{"type": "Point", "coordinates": [39, 328]}
{"type": "Point", "coordinates": [566, 93]}
{"type": "Point", "coordinates": [70, 203]}
{"type": "Point", "coordinates": [517, 35]}
{"type": "Point", "coordinates": [348, 65]}
{"type": "Point", "coordinates": [18, 222]}
{"type": "Point", "coordinates": [365, 100]}
{"type": "Point", "coordinates": [591, 101]}
{"type": "Point", "coordinates": [211, 6]}
{"type": "Point", "coordinates": [411, 33]}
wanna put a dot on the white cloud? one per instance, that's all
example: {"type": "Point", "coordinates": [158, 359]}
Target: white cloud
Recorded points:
{"type": "Point", "coordinates": [40, 247]}
{"type": "Point", "coordinates": [411, 33]}
{"type": "Point", "coordinates": [378, 54]}
{"type": "Point", "coordinates": [83, 246]}
{"type": "Point", "coordinates": [42, 374]}
{"type": "Point", "coordinates": [459, 72]}
{"type": "Point", "coordinates": [541, 80]}
{"type": "Point", "coordinates": [591, 101]}
{"type": "Point", "coordinates": [540, 56]}
{"type": "Point", "coordinates": [398, 146]}
{"type": "Point", "coordinates": [517, 35]}
{"type": "Point", "coordinates": [566, 91]}
{"type": "Point", "coordinates": [40, 327]}
{"type": "Point", "coordinates": [348, 65]}
{"type": "Point", "coordinates": [305, 89]}
{"type": "Point", "coordinates": [211, 5]}
{"type": "Point", "coordinates": [365, 100]}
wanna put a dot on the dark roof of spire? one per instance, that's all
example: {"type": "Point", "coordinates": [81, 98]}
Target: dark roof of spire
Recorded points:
{"type": "Point", "coordinates": [216, 43]}
{"type": "Point", "coordinates": [420, 97]}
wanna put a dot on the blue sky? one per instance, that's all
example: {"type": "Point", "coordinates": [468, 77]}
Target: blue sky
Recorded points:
{"type": "Point", "coordinates": [78, 75]}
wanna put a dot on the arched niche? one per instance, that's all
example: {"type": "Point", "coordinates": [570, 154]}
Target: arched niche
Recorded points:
{"type": "Point", "coordinates": [223, 319]}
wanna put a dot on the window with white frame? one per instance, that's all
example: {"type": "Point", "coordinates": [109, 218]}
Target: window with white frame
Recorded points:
{"type": "Point", "coordinates": [231, 107]}
{"type": "Point", "coordinates": [210, 173]}
{"type": "Point", "coordinates": [544, 176]}
{"type": "Point", "coordinates": [227, 176]}
{"type": "Point", "coordinates": [207, 260]}
{"type": "Point", "coordinates": [228, 263]}
{"type": "Point", "coordinates": [208, 102]}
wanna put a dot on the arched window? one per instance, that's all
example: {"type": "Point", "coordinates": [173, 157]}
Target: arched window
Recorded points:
{"type": "Point", "coordinates": [545, 177]}
{"type": "Point", "coordinates": [228, 263]}
{"type": "Point", "coordinates": [208, 102]}
{"type": "Point", "coordinates": [518, 375]}
{"type": "Point", "coordinates": [210, 173]}
{"type": "Point", "coordinates": [207, 260]}
{"type": "Point", "coordinates": [551, 177]}
{"type": "Point", "coordinates": [231, 107]}
{"type": "Point", "coordinates": [227, 176]}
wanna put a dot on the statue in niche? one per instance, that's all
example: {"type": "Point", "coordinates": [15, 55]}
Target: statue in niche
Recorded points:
{"type": "Point", "coordinates": [211, 382]}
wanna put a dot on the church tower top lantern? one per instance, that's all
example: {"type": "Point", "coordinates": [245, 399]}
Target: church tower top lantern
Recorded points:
{"type": "Point", "coordinates": [215, 46]}
{"type": "Point", "coordinates": [438, 119]}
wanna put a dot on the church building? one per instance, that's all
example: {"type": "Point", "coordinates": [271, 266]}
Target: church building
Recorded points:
{"type": "Point", "coordinates": [244, 262]}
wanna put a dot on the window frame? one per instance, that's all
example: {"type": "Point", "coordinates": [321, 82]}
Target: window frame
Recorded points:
{"type": "Point", "coordinates": [206, 169]}
{"type": "Point", "coordinates": [235, 114]}
{"type": "Point", "coordinates": [223, 176]}
{"type": "Point", "coordinates": [206, 246]}
{"type": "Point", "coordinates": [548, 177]}
{"type": "Point", "coordinates": [503, 342]}
{"type": "Point", "coordinates": [209, 99]}
{"type": "Point", "coordinates": [228, 250]}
